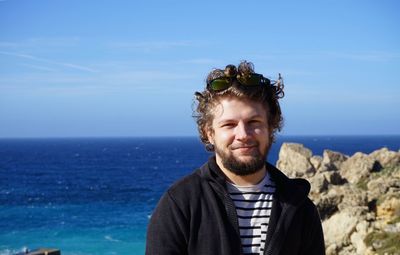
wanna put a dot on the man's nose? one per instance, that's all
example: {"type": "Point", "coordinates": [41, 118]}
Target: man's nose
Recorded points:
{"type": "Point", "coordinates": [242, 131]}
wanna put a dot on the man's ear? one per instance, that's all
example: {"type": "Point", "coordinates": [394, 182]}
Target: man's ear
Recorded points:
{"type": "Point", "coordinates": [210, 134]}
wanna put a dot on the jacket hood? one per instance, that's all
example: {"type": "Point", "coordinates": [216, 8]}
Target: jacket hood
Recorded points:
{"type": "Point", "coordinates": [293, 191]}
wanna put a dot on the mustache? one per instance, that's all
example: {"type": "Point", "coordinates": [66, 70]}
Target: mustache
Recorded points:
{"type": "Point", "coordinates": [244, 145]}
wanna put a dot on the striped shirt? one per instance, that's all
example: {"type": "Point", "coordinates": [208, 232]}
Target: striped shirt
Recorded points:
{"type": "Point", "coordinates": [253, 207]}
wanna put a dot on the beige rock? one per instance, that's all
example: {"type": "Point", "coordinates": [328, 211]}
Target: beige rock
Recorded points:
{"type": "Point", "coordinates": [383, 185]}
{"type": "Point", "coordinates": [334, 177]}
{"type": "Point", "coordinates": [347, 250]}
{"type": "Point", "coordinates": [396, 172]}
{"type": "Point", "coordinates": [316, 161]}
{"type": "Point", "coordinates": [318, 183]}
{"type": "Point", "coordinates": [332, 160]}
{"type": "Point", "coordinates": [376, 188]}
{"type": "Point", "coordinates": [357, 241]}
{"type": "Point", "coordinates": [357, 238]}
{"type": "Point", "coordinates": [386, 158]}
{"type": "Point", "coordinates": [360, 212]}
{"type": "Point", "coordinates": [357, 167]}
{"type": "Point", "coordinates": [362, 227]}
{"type": "Point", "coordinates": [353, 197]}
{"type": "Point", "coordinates": [369, 251]}
{"type": "Point", "coordinates": [338, 228]}
{"type": "Point", "coordinates": [327, 205]}
{"type": "Point", "coordinates": [294, 160]}
{"type": "Point", "coordinates": [331, 249]}
{"type": "Point", "coordinates": [388, 209]}
{"type": "Point", "coordinates": [342, 197]}
{"type": "Point", "coordinates": [392, 228]}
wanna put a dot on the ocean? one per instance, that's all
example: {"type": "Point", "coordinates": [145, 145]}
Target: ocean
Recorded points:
{"type": "Point", "coordinates": [95, 195]}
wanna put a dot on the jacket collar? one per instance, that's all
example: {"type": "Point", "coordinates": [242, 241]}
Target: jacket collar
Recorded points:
{"type": "Point", "coordinates": [212, 172]}
{"type": "Point", "coordinates": [291, 191]}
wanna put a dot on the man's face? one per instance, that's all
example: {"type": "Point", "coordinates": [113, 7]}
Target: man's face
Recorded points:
{"type": "Point", "coordinates": [240, 135]}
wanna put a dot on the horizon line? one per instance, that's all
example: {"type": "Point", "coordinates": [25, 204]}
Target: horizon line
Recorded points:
{"type": "Point", "coordinates": [187, 136]}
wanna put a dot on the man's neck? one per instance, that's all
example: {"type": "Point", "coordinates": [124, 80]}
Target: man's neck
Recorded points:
{"type": "Point", "coordinates": [242, 180]}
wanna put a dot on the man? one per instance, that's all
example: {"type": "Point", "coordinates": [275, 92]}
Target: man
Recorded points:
{"type": "Point", "coordinates": [237, 203]}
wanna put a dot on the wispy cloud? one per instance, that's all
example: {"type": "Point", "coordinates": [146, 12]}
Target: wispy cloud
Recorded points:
{"type": "Point", "coordinates": [79, 67]}
{"type": "Point", "coordinates": [40, 42]}
{"type": "Point", "coordinates": [139, 80]}
{"type": "Point", "coordinates": [20, 55]}
{"type": "Point", "coordinates": [38, 67]}
{"type": "Point", "coordinates": [48, 61]}
{"type": "Point", "coordinates": [46, 79]}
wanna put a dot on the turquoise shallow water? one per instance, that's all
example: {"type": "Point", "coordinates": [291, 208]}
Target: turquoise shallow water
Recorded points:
{"type": "Point", "coordinates": [95, 196]}
{"type": "Point", "coordinates": [75, 229]}
{"type": "Point", "coordinates": [107, 240]}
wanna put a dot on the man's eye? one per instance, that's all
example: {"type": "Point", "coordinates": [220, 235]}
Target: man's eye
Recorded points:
{"type": "Point", "coordinates": [228, 125]}
{"type": "Point", "coordinates": [254, 122]}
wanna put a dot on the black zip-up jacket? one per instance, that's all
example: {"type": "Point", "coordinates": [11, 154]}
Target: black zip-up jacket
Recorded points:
{"type": "Point", "coordinates": [197, 216]}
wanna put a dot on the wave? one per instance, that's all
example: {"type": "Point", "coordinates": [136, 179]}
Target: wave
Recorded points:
{"type": "Point", "coordinates": [12, 251]}
{"type": "Point", "coordinates": [110, 238]}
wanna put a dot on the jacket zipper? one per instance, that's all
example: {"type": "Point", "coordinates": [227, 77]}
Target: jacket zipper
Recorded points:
{"type": "Point", "coordinates": [229, 202]}
{"type": "Point", "coordinates": [230, 211]}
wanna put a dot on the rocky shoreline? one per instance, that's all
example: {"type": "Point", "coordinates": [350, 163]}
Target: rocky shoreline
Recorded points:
{"type": "Point", "coordinates": [358, 196]}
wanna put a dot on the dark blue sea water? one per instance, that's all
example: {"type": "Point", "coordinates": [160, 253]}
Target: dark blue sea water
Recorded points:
{"type": "Point", "coordinates": [95, 195]}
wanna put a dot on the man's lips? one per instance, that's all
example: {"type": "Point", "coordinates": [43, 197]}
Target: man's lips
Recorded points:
{"type": "Point", "coordinates": [244, 146]}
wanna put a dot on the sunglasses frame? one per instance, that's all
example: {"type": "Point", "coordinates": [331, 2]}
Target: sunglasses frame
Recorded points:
{"type": "Point", "coordinates": [251, 80]}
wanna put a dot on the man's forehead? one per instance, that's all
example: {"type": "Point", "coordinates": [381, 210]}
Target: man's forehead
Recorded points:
{"type": "Point", "coordinates": [232, 108]}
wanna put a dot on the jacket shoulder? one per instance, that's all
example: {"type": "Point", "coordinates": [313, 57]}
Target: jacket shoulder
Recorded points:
{"type": "Point", "coordinates": [186, 187]}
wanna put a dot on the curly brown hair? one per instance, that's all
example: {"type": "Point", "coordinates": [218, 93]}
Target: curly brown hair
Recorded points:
{"type": "Point", "coordinates": [267, 95]}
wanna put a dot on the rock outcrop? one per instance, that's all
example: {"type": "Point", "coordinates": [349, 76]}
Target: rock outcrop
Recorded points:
{"type": "Point", "coordinates": [295, 159]}
{"type": "Point", "coordinates": [358, 196]}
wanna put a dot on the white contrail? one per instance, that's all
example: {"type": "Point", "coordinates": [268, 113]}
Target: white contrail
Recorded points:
{"type": "Point", "coordinates": [69, 65]}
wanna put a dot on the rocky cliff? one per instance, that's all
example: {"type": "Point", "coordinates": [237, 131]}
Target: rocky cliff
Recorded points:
{"type": "Point", "coordinates": [358, 196]}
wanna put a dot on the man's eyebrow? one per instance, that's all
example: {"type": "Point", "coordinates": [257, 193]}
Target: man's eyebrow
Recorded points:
{"type": "Point", "coordinates": [255, 116]}
{"type": "Point", "coordinates": [226, 121]}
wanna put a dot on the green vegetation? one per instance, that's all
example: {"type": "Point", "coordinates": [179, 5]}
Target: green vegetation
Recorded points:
{"type": "Point", "coordinates": [362, 184]}
{"type": "Point", "coordinates": [394, 221]}
{"type": "Point", "coordinates": [386, 197]}
{"type": "Point", "coordinates": [383, 242]}
{"type": "Point", "coordinates": [386, 171]}
{"type": "Point", "coordinates": [389, 171]}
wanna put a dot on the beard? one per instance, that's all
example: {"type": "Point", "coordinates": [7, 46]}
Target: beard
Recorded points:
{"type": "Point", "coordinates": [242, 167]}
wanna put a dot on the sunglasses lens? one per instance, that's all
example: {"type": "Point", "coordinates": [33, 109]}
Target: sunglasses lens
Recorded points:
{"type": "Point", "coordinates": [251, 80]}
{"type": "Point", "coordinates": [219, 84]}
{"type": "Point", "coordinates": [254, 80]}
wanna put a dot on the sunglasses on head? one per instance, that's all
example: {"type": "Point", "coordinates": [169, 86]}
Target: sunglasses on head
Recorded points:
{"type": "Point", "coordinates": [250, 80]}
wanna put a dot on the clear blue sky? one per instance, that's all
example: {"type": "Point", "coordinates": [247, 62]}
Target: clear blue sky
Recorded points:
{"type": "Point", "coordinates": [129, 68]}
